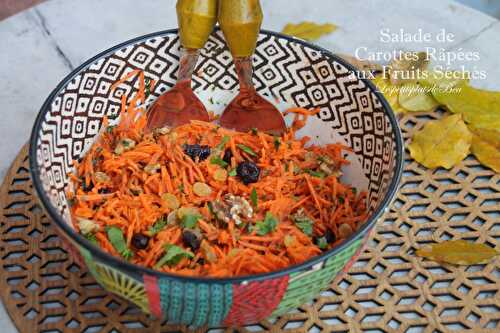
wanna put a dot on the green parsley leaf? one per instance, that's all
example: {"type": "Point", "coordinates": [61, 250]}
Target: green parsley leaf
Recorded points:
{"type": "Point", "coordinates": [91, 238]}
{"type": "Point", "coordinates": [110, 128]}
{"type": "Point", "coordinates": [341, 199]}
{"type": "Point", "coordinates": [322, 243]}
{"type": "Point", "coordinates": [232, 172]}
{"type": "Point", "coordinates": [158, 226]}
{"type": "Point", "coordinates": [277, 142]}
{"type": "Point", "coordinates": [268, 225]}
{"type": "Point", "coordinates": [181, 188]}
{"type": "Point", "coordinates": [254, 197]}
{"type": "Point", "coordinates": [173, 254]}
{"type": "Point", "coordinates": [117, 239]}
{"type": "Point", "coordinates": [317, 174]}
{"type": "Point", "coordinates": [189, 221]}
{"type": "Point", "coordinates": [246, 149]}
{"type": "Point", "coordinates": [218, 161]}
{"type": "Point", "coordinates": [354, 190]}
{"type": "Point", "coordinates": [223, 143]}
{"type": "Point", "coordinates": [305, 224]}
{"type": "Point", "coordinates": [254, 131]}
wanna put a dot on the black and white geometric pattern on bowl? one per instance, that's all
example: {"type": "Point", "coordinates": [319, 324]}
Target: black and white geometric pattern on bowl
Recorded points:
{"type": "Point", "coordinates": [284, 68]}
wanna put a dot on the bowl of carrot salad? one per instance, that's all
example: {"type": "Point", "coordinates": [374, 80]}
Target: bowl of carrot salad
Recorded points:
{"type": "Point", "coordinates": [201, 224]}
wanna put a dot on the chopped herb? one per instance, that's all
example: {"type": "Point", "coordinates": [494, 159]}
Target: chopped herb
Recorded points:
{"type": "Point", "coordinates": [117, 239]}
{"type": "Point", "coordinates": [304, 223]}
{"type": "Point", "coordinates": [223, 143]}
{"type": "Point", "coordinates": [211, 100]}
{"type": "Point", "coordinates": [218, 161]}
{"type": "Point", "coordinates": [110, 128]}
{"type": "Point", "coordinates": [181, 188]}
{"type": "Point", "coordinates": [314, 173]}
{"type": "Point", "coordinates": [232, 172]}
{"type": "Point", "coordinates": [277, 142]}
{"type": "Point", "coordinates": [246, 149]}
{"type": "Point", "coordinates": [354, 190]}
{"type": "Point", "coordinates": [158, 226]}
{"type": "Point", "coordinates": [135, 192]}
{"type": "Point", "coordinates": [268, 225]}
{"type": "Point", "coordinates": [91, 238]}
{"type": "Point", "coordinates": [254, 131]}
{"type": "Point", "coordinates": [322, 243]}
{"type": "Point", "coordinates": [189, 220]}
{"type": "Point", "coordinates": [173, 255]}
{"type": "Point", "coordinates": [210, 206]}
{"type": "Point", "coordinates": [254, 197]}
{"type": "Point", "coordinates": [341, 199]}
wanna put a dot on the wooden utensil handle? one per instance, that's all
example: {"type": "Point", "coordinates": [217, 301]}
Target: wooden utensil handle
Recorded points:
{"type": "Point", "coordinates": [240, 21]}
{"type": "Point", "coordinates": [196, 19]}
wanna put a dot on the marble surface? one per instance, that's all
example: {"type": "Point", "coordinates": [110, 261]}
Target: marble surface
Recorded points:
{"type": "Point", "coordinates": [39, 46]}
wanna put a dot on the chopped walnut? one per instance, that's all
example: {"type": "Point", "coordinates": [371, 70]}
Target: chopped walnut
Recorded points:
{"type": "Point", "coordinates": [124, 145]}
{"type": "Point", "coordinates": [232, 208]}
{"type": "Point", "coordinates": [152, 168]}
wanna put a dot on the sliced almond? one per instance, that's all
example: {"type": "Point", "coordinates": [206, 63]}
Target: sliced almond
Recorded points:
{"type": "Point", "coordinates": [202, 189]}
{"type": "Point", "coordinates": [220, 175]}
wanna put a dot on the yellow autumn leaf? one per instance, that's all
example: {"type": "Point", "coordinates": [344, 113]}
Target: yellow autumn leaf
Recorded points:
{"type": "Point", "coordinates": [414, 97]}
{"type": "Point", "coordinates": [363, 65]}
{"type": "Point", "coordinates": [486, 153]}
{"type": "Point", "coordinates": [408, 67]}
{"type": "Point", "coordinates": [480, 108]}
{"type": "Point", "coordinates": [443, 142]}
{"type": "Point", "coordinates": [458, 252]}
{"type": "Point", "coordinates": [442, 80]}
{"type": "Point", "coordinates": [308, 30]}
{"type": "Point", "coordinates": [390, 93]}
{"type": "Point", "coordinates": [491, 136]}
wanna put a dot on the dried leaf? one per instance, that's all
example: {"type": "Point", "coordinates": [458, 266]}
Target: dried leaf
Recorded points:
{"type": "Point", "coordinates": [486, 153]}
{"type": "Point", "coordinates": [489, 135]}
{"type": "Point", "coordinates": [414, 97]}
{"type": "Point", "coordinates": [458, 252]}
{"type": "Point", "coordinates": [408, 67]}
{"type": "Point", "coordinates": [480, 108]}
{"type": "Point", "coordinates": [308, 30]}
{"type": "Point", "coordinates": [363, 65]}
{"type": "Point", "coordinates": [390, 93]}
{"type": "Point", "coordinates": [443, 142]}
{"type": "Point", "coordinates": [442, 80]}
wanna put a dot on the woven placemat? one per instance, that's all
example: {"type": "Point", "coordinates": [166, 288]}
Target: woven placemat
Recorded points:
{"type": "Point", "coordinates": [387, 290]}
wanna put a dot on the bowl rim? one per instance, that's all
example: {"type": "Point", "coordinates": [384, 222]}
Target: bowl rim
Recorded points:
{"type": "Point", "coordinates": [138, 270]}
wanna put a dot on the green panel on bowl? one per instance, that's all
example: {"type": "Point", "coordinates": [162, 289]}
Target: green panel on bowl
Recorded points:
{"type": "Point", "coordinates": [303, 286]}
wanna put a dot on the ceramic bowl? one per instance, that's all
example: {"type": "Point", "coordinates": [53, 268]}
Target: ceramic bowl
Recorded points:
{"type": "Point", "coordinates": [290, 72]}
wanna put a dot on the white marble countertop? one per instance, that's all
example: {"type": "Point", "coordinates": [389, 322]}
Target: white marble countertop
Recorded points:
{"type": "Point", "coordinates": [38, 47]}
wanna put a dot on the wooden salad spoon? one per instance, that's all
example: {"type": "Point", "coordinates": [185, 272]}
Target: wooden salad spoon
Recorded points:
{"type": "Point", "coordinates": [240, 21]}
{"type": "Point", "coordinates": [180, 105]}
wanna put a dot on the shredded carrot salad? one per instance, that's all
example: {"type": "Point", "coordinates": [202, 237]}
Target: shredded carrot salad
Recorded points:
{"type": "Point", "coordinates": [202, 200]}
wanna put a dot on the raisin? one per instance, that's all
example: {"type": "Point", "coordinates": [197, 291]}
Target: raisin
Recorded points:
{"type": "Point", "coordinates": [248, 172]}
{"type": "Point", "coordinates": [140, 241]}
{"type": "Point", "coordinates": [191, 238]}
{"type": "Point", "coordinates": [193, 151]}
{"type": "Point", "coordinates": [228, 154]}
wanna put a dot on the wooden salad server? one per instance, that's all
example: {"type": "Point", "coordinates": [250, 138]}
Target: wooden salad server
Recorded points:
{"type": "Point", "coordinates": [180, 105]}
{"type": "Point", "coordinates": [240, 21]}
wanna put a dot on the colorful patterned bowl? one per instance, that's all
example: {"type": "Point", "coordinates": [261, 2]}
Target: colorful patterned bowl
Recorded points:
{"type": "Point", "coordinates": [286, 69]}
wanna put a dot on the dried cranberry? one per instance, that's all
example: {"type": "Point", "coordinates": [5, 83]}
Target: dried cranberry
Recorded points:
{"type": "Point", "coordinates": [228, 154]}
{"type": "Point", "coordinates": [191, 238]}
{"type": "Point", "coordinates": [248, 172]}
{"type": "Point", "coordinates": [193, 151]}
{"type": "Point", "coordinates": [330, 236]}
{"type": "Point", "coordinates": [140, 241]}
